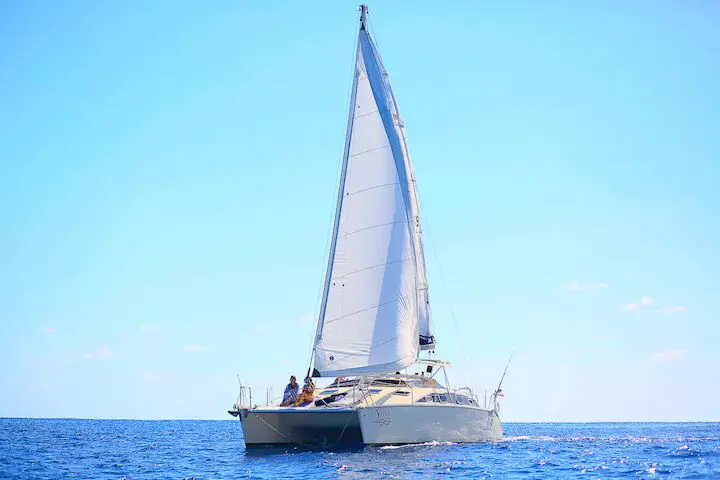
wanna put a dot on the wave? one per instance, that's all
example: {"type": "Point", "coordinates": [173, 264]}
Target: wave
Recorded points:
{"type": "Point", "coordinates": [544, 438]}
{"type": "Point", "coordinates": [426, 444]}
{"type": "Point", "coordinates": [626, 438]}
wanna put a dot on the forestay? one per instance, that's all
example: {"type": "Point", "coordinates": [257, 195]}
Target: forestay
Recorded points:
{"type": "Point", "coordinates": [375, 313]}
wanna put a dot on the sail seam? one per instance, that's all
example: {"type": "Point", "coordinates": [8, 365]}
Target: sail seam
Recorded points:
{"type": "Point", "coordinates": [366, 309]}
{"type": "Point", "coordinates": [366, 114]}
{"type": "Point", "coordinates": [372, 188]}
{"type": "Point", "coordinates": [371, 227]}
{"type": "Point", "coordinates": [370, 268]}
{"type": "Point", "coordinates": [368, 151]}
{"type": "Point", "coordinates": [365, 350]}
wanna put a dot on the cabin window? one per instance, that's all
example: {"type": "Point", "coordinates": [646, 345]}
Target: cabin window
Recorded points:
{"type": "Point", "coordinates": [432, 398]}
{"type": "Point", "coordinates": [445, 398]}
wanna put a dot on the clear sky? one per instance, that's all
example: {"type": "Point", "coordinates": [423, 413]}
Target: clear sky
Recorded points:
{"type": "Point", "coordinates": [168, 172]}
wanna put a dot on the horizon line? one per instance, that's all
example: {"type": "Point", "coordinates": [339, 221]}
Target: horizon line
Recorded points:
{"type": "Point", "coordinates": [235, 420]}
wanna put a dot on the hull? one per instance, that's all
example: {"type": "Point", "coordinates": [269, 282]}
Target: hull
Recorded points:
{"type": "Point", "coordinates": [369, 425]}
{"type": "Point", "coordinates": [418, 423]}
{"type": "Point", "coordinates": [300, 426]}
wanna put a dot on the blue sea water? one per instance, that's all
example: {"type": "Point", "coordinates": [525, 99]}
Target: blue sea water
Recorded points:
{"type": "Point", "coordinates": [129, 449]}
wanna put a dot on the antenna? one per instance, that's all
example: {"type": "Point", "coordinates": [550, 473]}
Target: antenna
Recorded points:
{"type": "Point", "coordinates": [240, 386]}
{"type": "Point", "coordinates": [503, 375]}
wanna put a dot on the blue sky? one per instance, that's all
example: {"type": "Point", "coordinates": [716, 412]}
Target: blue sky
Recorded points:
{"type": "Point", "coordinates": [168, 173]}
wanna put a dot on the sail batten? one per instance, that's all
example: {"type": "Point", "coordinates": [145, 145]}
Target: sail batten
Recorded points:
{"type": "Point", "coordinates": [373, 302]}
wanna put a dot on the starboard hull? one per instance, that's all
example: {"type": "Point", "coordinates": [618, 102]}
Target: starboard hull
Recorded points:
{"type": "Point", "coordinates": [417, 423]}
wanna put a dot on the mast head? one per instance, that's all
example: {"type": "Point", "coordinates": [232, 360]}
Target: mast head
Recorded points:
{"type": "Point", "coordinates": [363, 17]}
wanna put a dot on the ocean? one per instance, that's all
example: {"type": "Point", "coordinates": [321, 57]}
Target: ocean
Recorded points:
{"type": "Point", "coordinates": [136, 449]}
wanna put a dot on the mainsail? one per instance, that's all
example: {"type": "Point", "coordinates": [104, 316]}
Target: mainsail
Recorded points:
{"type": "Point", "coordinates": [375, 314]}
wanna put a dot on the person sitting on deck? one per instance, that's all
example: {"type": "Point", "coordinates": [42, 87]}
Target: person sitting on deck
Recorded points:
{"type": "Point", "coordinates": [291, 393]}
{"type": "Point", "coordinates": [307, 392]}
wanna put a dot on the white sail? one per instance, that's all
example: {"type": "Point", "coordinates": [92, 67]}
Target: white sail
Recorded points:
{"type": "Point", "coordinates": [427, 339]}
{"type": "Point", "coordinates": [369, 314]}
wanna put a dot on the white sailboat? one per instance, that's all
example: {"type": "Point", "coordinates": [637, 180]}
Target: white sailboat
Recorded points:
{"type": "Point", "coordinates": [374, 319]}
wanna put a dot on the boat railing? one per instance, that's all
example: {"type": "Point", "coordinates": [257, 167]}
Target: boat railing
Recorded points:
{"type": "Point", "coordinates": [244, 399]}
{"type": "Point", "coordinates": [361, 391]}
{"type": "Point", "coordinates": [473, 396]}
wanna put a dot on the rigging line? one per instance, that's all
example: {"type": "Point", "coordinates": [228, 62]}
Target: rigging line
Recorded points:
{"type": "Point", "coordinates": [442, 276]}
{"type": "Point", "coordinates": [338, 173]}
{"type": "Point", "coordinates": [347, 422]}
{"type": "Point", "coordinates": [302, 444]}
{"type": "Point", "coordinates": [271, 427]}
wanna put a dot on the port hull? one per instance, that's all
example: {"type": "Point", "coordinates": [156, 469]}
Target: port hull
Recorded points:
{"type": "Point", "coordinates": [300, 426]}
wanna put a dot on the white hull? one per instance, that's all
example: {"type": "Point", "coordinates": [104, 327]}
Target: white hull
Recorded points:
{"type": "Point", "coordinates": [420, 423]}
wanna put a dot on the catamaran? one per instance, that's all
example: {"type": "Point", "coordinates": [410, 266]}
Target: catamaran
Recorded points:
{"type": "Point", "coordinates": [374, 319]}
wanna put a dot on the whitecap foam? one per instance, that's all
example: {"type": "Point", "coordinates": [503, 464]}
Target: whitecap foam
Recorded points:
{"type": "Point", "coordinates": [426, 444]}
{"type": "Point", "coordinates": [526, 437]}
{"type": "Point", "coordinates": [544, 438]}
